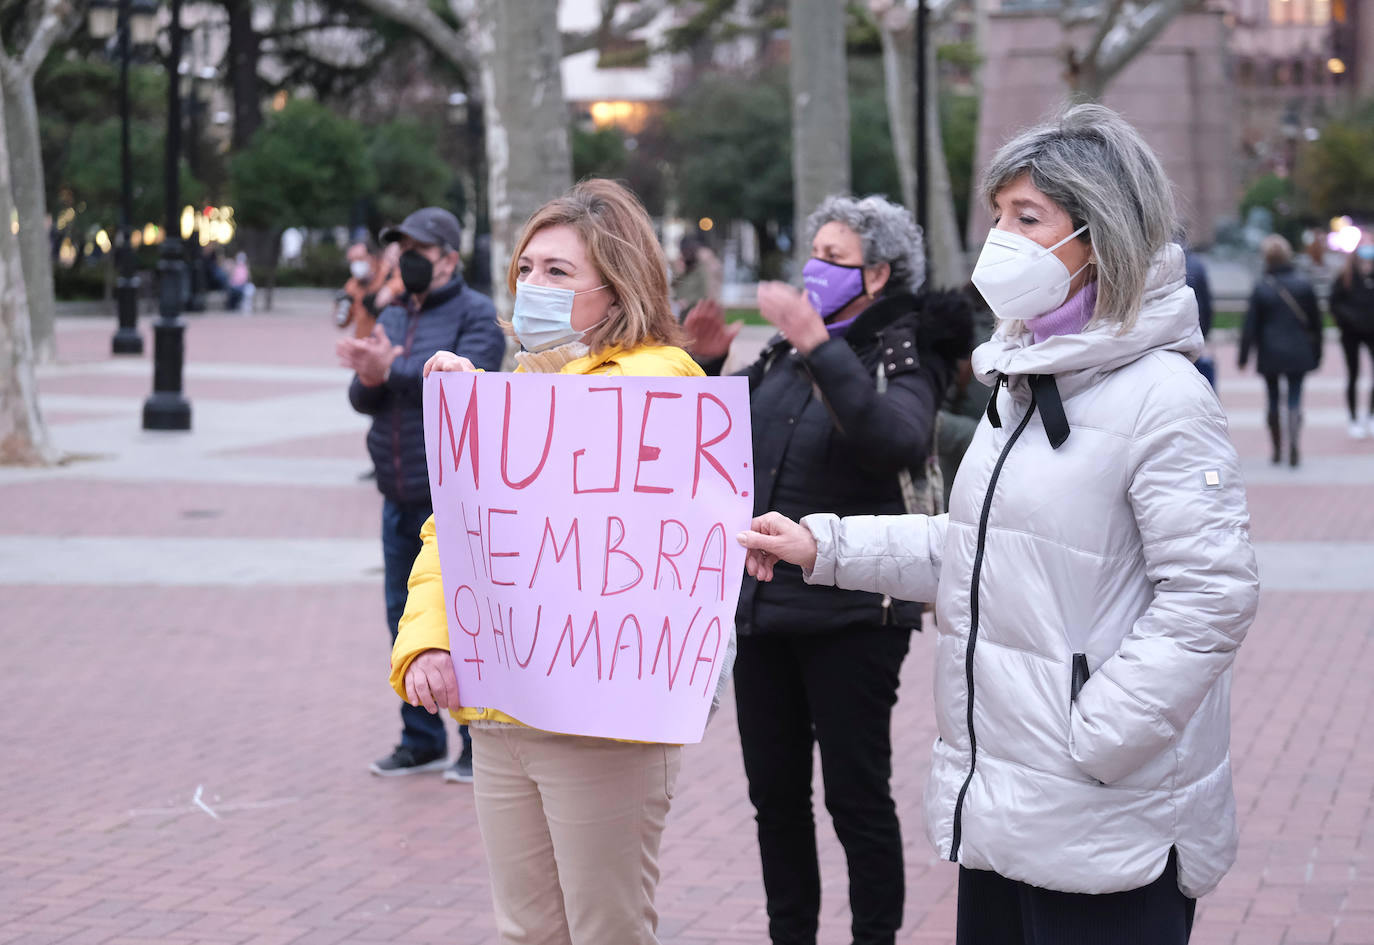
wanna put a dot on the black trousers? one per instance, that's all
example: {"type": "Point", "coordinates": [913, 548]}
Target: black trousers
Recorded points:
{"type": "Point", "coordinates": [836, 690]}
{"type": "Point", "coordinates": [994, 910]}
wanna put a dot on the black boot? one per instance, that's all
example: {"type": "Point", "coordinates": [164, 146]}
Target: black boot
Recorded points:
{"type": "Point", "coordinates": [1276, 439]}
{"type": "Point", "coordinates": [1294, 426]}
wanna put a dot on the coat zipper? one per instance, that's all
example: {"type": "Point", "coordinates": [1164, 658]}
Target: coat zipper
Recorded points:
{"type": "Point", "coordinates": [973, 622]}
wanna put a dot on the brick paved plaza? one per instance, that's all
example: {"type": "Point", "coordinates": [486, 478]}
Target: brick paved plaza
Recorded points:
{"type": "Point", "coordinates": [196, 683]}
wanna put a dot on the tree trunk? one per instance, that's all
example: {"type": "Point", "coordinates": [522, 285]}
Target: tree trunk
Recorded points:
{"type": "Point", "coordinates": [21, 128]}
{"type": "Point", "coordinates": [944, 247]}
{"type": "Point", "coordinates": [23, 435]}
{"type": "Point", "coordinates": [820, 109]}
{"type": "Point", "coordinates": [947, 267]}
{"type": "Point", "coordinates": [528, 157]}
{"type": "Point", "coordinates": [244, 51]}
{"type": "Point", "coordinates": [898, 66]}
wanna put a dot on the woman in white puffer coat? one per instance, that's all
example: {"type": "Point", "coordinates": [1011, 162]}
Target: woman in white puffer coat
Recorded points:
{"type": "Point", "coordinates": [1093, 577]}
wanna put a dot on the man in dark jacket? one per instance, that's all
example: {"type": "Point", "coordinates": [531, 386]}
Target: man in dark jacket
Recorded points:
{"type": "Point", "coordinates": [438, 312]}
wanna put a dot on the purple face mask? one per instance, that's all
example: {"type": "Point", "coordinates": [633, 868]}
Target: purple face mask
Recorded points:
{"type": "Point", "coordinates": [830, 286]}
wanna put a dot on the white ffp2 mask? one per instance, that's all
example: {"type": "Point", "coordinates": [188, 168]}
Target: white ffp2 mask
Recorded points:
{"type": "Point", "coordinates": [1019, 278]}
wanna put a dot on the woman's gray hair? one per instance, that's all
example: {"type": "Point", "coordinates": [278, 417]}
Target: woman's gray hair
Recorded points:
{"type": "Point", "coordinates": [1099, 170]}
{"type": "Point", "coordinates": [887, 232]}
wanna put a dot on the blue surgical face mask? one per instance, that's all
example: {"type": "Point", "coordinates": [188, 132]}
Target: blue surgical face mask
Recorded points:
{"type": "Point", "coordinates": [543, 316]}
{"type": "Point", "coordinates": [1366, 252]}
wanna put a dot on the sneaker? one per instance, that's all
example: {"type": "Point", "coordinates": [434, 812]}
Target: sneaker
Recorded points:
{"type": "Point", "coordinates": [1357, 430]}
{"type": "Point", "coordinates": [404, 761]}
{"type": "Point", "coordinates": [460, 772]}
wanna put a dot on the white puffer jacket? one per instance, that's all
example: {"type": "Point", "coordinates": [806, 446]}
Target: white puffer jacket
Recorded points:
{"type": "Point", "coordinates": [1128, 544]}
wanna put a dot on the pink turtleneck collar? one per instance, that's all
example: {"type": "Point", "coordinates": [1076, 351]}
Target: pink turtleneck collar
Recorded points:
{"type": "Point", "coordinates": [1068, 319]}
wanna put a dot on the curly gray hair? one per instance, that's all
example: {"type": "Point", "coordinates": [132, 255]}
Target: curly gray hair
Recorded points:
{"type": "Point", "coordinates": [886, 230]}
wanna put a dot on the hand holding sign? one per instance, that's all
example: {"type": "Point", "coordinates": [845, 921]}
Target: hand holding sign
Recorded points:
{"type": "Point", "coordinates": [430, 681]}
{"type": "Point", "coordinates": [773, 537]}
{"type": "Point", "coordinates": [448, 361]}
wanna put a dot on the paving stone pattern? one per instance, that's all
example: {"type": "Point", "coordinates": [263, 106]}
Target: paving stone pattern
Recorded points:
{"type": "Point", "coordinates": [197, 662]}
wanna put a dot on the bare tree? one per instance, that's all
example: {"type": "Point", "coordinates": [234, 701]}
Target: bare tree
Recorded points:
{"type": "Point", "coordinates": [1121, 29]}
{"type": "Point", "coordinates": [820, 107]}
{"type": "Point", "coordinates": [23, 435]}
{"type": "Point", "coordinates": [510, 52]}
{"type": "Point", "coordinates": [528, 155]}
{"type": "Point", "coordinates": [896, 26]}
{"type": "Point", "coordinates": [37, 24]}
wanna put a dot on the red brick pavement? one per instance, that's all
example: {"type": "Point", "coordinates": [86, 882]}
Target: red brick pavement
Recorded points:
{"type": "Point", "coordinates": [122, 705]}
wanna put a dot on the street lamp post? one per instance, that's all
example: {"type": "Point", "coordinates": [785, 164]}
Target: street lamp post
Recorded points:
{"type": "Point", "coordinates": [922, 194]}
{"type": "Point", "coordinates": [166, 408]}
{"type": "Point", "coordinates": [130, 22]}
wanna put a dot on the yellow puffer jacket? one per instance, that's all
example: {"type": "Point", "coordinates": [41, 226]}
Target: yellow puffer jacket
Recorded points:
{"type": "Point", "coordinates": [424, 626]}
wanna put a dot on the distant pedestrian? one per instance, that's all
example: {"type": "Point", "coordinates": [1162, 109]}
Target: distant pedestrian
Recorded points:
{"type": "Point", "coordinates": [1283, 325]}
{"type": "Point", "coordinates": [437, 312]}
{"type": "Point", "coordinates": [358, 300]}
{"type": "Point", "coordinates": [239, 295]}
{"type": "Point", "coordinates": [698, 276]}
{"type": "Point", "coordinates": [1195, 275]}
{"type": "Point", "coordinates": [1352, 306]}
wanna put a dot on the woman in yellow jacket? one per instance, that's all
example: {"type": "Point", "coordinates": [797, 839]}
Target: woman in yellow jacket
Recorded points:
{"type": "Point", "coordinates": [571, 824]}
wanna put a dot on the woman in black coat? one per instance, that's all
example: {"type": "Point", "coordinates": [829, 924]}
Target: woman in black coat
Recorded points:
{"type": "Point", "coordinates": [820, 665]}
{"type": "Point", "coordinates": [1284, 327]}
{"type": "Point", "coordinates": [1352, 306]}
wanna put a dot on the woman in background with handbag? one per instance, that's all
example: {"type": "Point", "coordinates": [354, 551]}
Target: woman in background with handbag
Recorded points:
{"type": "Point", "coordinates": [844, 402]}
{"type": "Point", "coordinates": [1284, 327]}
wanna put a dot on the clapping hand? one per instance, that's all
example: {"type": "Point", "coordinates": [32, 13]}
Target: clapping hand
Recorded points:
{"type": "Point", "coordinates": [793, 314]}
{"type": "Point", "coordinates": [369, 357]}
{"type": "Point", "coordinates": [708, 336]}
{"type": "Point", "coordinates": [773, 537]}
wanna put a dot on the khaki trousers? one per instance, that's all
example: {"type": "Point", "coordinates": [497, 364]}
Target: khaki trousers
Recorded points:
{"type": "Point", "coordinates": [571, 827]}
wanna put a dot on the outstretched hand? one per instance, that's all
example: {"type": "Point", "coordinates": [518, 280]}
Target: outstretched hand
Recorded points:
{"type": "Point", "coordinates": [431, 682]}
{"type": "Point", "coordinates": [708, 336]}
{"type": "Point", "coordinates": [773, 537]}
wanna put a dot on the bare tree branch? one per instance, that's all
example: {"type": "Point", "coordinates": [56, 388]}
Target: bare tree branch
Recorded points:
{"type": "Point", "coordinates": [1104, 26]}
{"type": "Point", "coordinates": [588, 39]}
{"type": "Point", "coordinates": [452, 44]}
{"type": "Point", "coordinates": [1156, 16]}
{"type": "Point", "coordinates": [54, 20]}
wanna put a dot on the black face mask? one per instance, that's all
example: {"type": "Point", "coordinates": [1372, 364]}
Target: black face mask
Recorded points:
{"type": "Point", "coordinates": [417, 272]}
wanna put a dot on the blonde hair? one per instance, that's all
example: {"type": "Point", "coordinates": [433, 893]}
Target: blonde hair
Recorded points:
{"type": "Point", "coordinates": [619, 239]}
{"type": "Point", "coordinates": [1276, 251]}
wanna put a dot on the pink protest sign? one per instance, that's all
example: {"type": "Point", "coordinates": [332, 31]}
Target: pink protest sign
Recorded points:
{"type": "Point", "coordinates": [586, 529]}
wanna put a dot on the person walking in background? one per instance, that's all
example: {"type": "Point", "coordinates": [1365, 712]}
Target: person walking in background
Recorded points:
{"type": "Point", "coordinates": [238, 297]}
{"type": "Point", "coordinates": [1195, 275]}
{"type": "Point", "coordinates": [843, 402]}
{"type": "Point", "coordinates": [1094, 576]}
{"type": "Point", "coordinates": [437, 311]}
{"type": "Point", "coordinates": [571, 824]}
{"type": "Point", "coordinates": [1283, 325]}
{"type": "Point", "coordinates": [1352, 306]}
{"type": "Point", "coordinates": [358, 300]}
{"type": "Point", "coordinates": [699, 275]}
